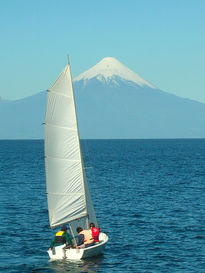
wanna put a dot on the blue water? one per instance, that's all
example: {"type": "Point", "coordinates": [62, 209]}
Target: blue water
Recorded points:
{"type": "Point", "coordinates": [149, 197]}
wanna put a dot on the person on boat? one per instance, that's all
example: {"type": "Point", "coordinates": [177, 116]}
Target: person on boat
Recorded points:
{"type": "Point", "coordinates": [95, 231]}
{"type": "Point", "coordinates": [84, 238]}
{"type": "Point", "coordinates": [61, 237]}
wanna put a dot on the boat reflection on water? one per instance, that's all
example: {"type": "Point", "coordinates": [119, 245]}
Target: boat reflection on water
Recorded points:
{"type": "Point", "coordinates": [88, 265]}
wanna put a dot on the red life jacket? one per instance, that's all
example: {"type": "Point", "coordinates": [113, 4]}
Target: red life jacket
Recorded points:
{"type": "Point", "coordinates": [95, 233]}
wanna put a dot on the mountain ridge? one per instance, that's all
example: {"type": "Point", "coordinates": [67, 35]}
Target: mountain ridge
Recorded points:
{"type": "Point", "coordinates": [110, 108]}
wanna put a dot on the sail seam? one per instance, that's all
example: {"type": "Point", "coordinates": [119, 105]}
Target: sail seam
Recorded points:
{"type": "Point", "coordinates": [60, 94]}
{"type": "Point", "coordinates": [67, 128]}
{"type": "Point", "coordinates": [61, 158]}
{"type": "Point", "coordinates": [64, 194]}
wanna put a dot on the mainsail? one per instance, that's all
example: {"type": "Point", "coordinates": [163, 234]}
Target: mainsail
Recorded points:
{"type": "Point", "coordinates": [68, 195]}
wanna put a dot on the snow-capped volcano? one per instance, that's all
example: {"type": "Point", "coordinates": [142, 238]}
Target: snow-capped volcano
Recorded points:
{"type": "Point", "coordinates": [108, 69]}
{"type": "Point", "coordinates": [112, 102]}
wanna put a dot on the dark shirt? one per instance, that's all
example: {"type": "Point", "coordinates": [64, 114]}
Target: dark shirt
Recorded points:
{"type": "Point", "coordinates": [80, 239]}
{"type": "Point", "coordinates": [67, 238]}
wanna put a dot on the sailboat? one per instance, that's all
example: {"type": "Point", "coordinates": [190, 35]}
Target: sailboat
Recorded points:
{"type": "Point", "coordinates": [68, 195]}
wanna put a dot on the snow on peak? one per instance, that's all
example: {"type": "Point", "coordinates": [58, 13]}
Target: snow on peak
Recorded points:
{"type": "Point", "coordinates": [109, 67]}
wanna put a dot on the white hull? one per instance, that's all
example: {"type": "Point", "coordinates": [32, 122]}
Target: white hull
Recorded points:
{"type": "Point", "coordinates": [60, 252]}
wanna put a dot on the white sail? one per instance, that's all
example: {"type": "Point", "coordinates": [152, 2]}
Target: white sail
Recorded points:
{"type": "Point", "coordinates": [67, 190]}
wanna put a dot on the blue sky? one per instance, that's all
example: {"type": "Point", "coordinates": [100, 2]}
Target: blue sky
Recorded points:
{"type": "Point", "coordinates": [161, 40]}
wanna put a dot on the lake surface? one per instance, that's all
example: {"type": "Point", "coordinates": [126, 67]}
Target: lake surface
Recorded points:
{"type": "Point", "coordinates": [149, 197]}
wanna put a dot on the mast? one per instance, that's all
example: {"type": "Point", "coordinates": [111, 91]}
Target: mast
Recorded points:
{"type": "Point", "coordinates": [82, 165]}
{"type": "Point", "coordinates": [67, 189]}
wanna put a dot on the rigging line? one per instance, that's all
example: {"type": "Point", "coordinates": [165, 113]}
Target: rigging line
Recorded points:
{"type": "Point", "coordinates": [72, 232]}
{"type": "Point", "coordinates": [87, 151]}
{"type": "Point", "coordinates": [90, 161]}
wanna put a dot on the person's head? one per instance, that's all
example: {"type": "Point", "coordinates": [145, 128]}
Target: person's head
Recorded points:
{"type": "Point", "coordinates": [92, 225]}
{"type": "Point", "coordinates": [79, 229]}
{"type": "Point", "coordinates": [64, 228]}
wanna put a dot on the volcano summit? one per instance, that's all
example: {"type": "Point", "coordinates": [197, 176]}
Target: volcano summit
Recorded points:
{"type": "Point", "coordinates": [108, 69]}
